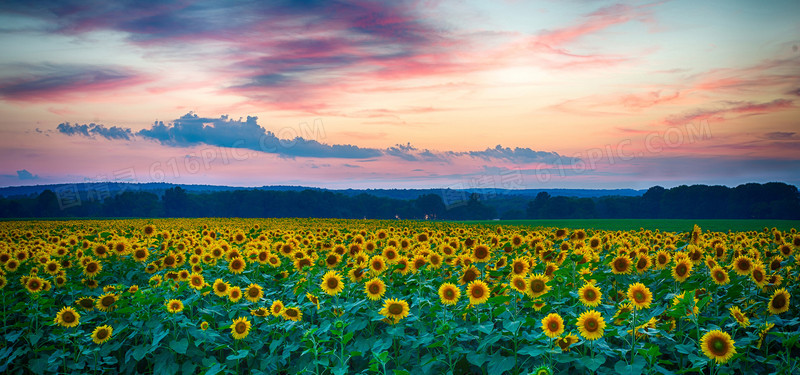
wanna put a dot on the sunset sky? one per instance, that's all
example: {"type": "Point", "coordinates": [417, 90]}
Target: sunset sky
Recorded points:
{"type": "Point", "coordinates": [400, 94]}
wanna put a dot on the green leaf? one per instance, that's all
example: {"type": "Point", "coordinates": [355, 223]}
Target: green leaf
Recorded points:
{"type": "Point", "coordinates": [497, 300]}
{"type": "Point", "coordinates": [158, 337]}
{"type": "Point", "coordinates": [593, 363]}
{"type": "Point", "coordinates": [139, 352]}
{"type": "Point", "coordinates": [685, 348]}
{"type": "Point", "coordinates": [35, 337]}
{"type": "Point", "coordinates": [499, 364]}
{"type": "Point", "coordinates": [239, 355]}
{"type": "Point", "coordinates": [179, 346]}
{"type": "Point", "coordinates": [477, 359]}
{"type": "Point", "coordinates": [347, 337]}
{"type": "Point", "coordinates": [215, 369]}
{"type": "Point", "coordinates": [531, 350]}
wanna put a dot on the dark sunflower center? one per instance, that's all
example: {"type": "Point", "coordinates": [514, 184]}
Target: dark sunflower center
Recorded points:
{"type": "Point", "coordinates": [196, 281]}
{"type": "Point", "coordinates": [779, 301]}
{"type": "Point", "coordinates": [377, 265]}
{"type": "Point", "coordinates": [449, 294]}
{"type": "Point", "coordinates": [537, 286]}
{"type": "Point", "coordinates": [102, 334]}
{"type": "Point", "coordinates": [241, 328]}
{"type": "Point", "coordinates": [331, 260]}
{"type": "Point", "coordinates": [520, 284]}
{"type": "Point", "coordinates": [291, 312]}
{"type": "Point", "coordinates": [621, 265]}
{"type": "Point", "coordinates": [252, 292]}
{"type": "Point", "coordinates": [590, 295]}
{"type": "Point", "coordinates": [639, 296]}
{"type": "Point", "coordinates": [419, 263]}
{"type": "Point", "coordinates": [744, 265]}
{"type": "Point", "coordinates": [553, 326]}
{"type": "Point", "coordinates": [86, 303]}
{"type": "Point", "coordinates": [477, 292]}
{"type": "Point", "coordinates": [519, 268]}
{"type": "Point", "coordinates": [332, 283]}
{"type": "Point", "coordinates": [374, 288]}
{"type": "Point", "coordinates": [718, 347]}
{"type": "Point", "coordinates": [680, 270]}
{"type": "Point", "coordinates": [591, 325]}
{"type": "Point", "coordinates": [68, 317]}
{"type": "Point", "coordinates": [481, 253]}
{"type": "Point", "coordinates": [107, 301]}
{"type": "Point", "coordinates": [91, 267]}
{"type": "Point", "coordinates": [395, 309]}
{"type": "Point", "coordinates": [33, 284]}
{"type": "Point", "coordinates": [641, 264]}
{"type": "Point", "coordinates": [758, 275]}
{"type": "Point", "coordinates": [175, 306]}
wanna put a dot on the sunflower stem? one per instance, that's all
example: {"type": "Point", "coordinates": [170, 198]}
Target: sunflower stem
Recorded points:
{"type": "Point", "coordinates": [633, 339]}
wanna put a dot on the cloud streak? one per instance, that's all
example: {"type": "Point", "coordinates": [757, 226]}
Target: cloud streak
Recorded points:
{"type": "Point", "coordinates": [48, 82]}
{"type": "Point", "coordinates": [192, 130]}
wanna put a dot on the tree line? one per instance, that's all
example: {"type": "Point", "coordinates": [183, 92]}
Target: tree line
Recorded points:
{"type": "Point", "coordinates": [748, 201]}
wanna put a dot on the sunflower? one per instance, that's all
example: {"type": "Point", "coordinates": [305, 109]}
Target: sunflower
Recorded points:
{"type": "Point", "coordinates": [11, 265]}
{"type": "Point", "coordinates": [357, 274]}
{"type": "Point", "coordinates": [52, 267]}
{"type": "Point", "coordinates": [67, 317]}
{"type": "Point", "coordinates": [375, 289]}
{"type": "Point", "coordinates": [240, 328]}
{"type": "Point", "coordinates": [481, 253]}
{"type": "Point", "coordinates": [102, 334]}
{"type": "Point", "coordinates": [418, 262]}
{"type": "Point", "coordinates": [377, 265]}
{"type": "Point", "coordinates": [332, 283]}
{"type": "Point", "coordinates": [313, 299]}
{"type": "Point", "coordinates": [718, 345]}
{"type": "Point", "coordinates": [469, 275]}
{"type": "Point", "coordinates": [590, 295]}
{"type": "Point", "coordinates": [621, 265]}
{"type": "Point", "coordinates": [34, 284]}
{"type": "Point", "coordinates": [395, 310]}
{"type": "Point", "coordinates": [520, 266]}
{"type": "Point", "coordinates": [235, 294]}
{"type": "Point", "coordinates": [538, 305]}
{"type": "Point", "coordinates": [254, 293]}
{"type": "Point", "coordinates": [737, 314]}
{"type": "Point", "coordinates": [149, 230]}
{"type": "Point", "coordinates": [197, 281]}
{"type": "Point", "coordinates": [591, 325]}
{"type": "Point", "coordinates": [390, 253]}
{"type": "Point", "coordinates": [174, 306]}
{"type": "Point", "coordinates": [204, 326]}
{"type": "Point", "coordinates": [519, 283]}
{"type": "Point", "coordinates": [276, 309]}
{"type": "Point", "coordinates": [292, 313]}
{"type": "Point", "coordinates": [643, 262]}
{"type": "Point", "coordinates": [565, 342]}
{"type": "Point", "coordinates": [663, 258]}
{"type": "Point", "coordinates": [720, 275]}
{"type": "Point", "coordinates": [682, 270]}
{"type": "Point", "coordinates": [640, 296]}
{"type": "Point", "coordinates": [758, 275]}
{"type": "Point", "coordinates": [553, 325]}
{"type": "Point", "coordinates": [237, 265]}
{"type": "Point", "coordinates": [449, 294]}
{"type": "Point", "coordinates": [743, 265]}
{"type": "Point", "coordinates": [3, 282]}
{"type": "Point", "coordinates": [542, 370]}
{"type": "Point", "coordinates": [260, 312]}
{"type": "Point", "coordinates": [141, 254]}
{"type": "Point", "coordinates": [779, 302]}
{"type": "Point", "coordinates": [100, 250]}
{"type": "Point", "coordinates": [221, 288]}
{"type": "Point", "coordinates": [106, 302]}
{"type": "Point", "coordinates": [478, 292]}
{"type": "Point", "coordinates": [537, 285]}
{"type": "Point", "coordinates": [92, 268]}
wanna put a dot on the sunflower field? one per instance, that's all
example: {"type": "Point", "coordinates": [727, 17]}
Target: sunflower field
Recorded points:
{"type": "Point", "coordinates": [289, 296]}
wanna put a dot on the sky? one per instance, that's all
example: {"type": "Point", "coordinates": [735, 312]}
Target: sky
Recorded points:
{"type": "Point", "coordinates": [400, 94]}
